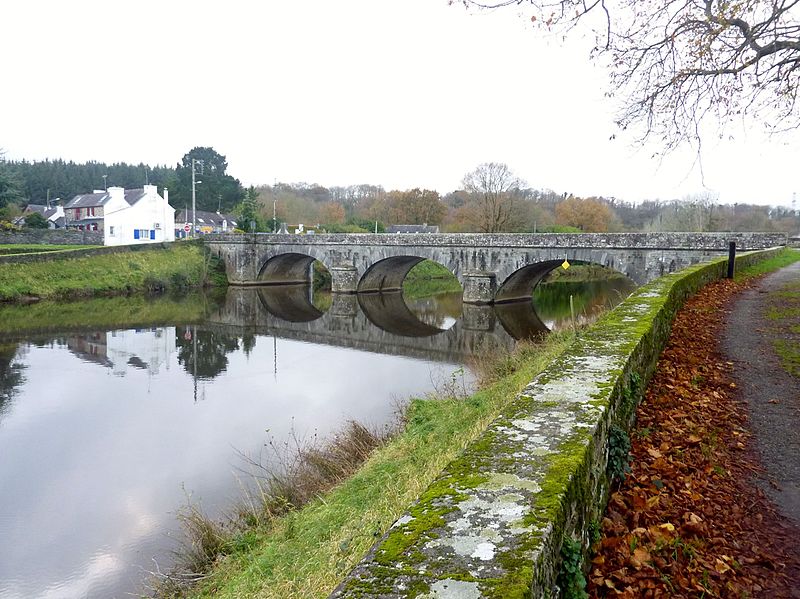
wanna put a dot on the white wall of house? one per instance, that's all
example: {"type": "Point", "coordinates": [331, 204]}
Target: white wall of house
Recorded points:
{"type": "Point", "coordinates": [152, 347]}
{"type": "Point", "coordinates": [150, 220]}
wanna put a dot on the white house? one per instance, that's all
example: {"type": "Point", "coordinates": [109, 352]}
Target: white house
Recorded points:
{"type": "Point", "coordinates": [126, 216]}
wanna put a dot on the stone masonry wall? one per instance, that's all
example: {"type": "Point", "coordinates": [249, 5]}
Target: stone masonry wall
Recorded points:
{"type": "Point", "coordinates": [351, 258]}
{"type": "Point", "coordinates": [694, 241]}
{"type": "Point", "coordinates": [78, 253]}
{"type": "Point", "coordinates": [52, 237]}
{"type": "Point", "coordinates": [493, 523]}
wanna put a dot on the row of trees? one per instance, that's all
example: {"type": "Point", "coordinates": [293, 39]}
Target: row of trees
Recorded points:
{"type": "Point", "coordinates": [23, 182]}
{"type": "Point", "coordinates": [491, 199]}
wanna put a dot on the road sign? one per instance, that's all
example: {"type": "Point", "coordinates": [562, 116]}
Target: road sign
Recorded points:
{"type": "Point", "coordinates": [187, 227]}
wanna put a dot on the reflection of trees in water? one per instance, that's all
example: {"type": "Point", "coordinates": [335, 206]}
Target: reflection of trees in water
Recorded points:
{"type": "Point", "coordinates": [248, 343]}
{"type": "Point", "coordinates": [210, 359]}
{"type": "Point", "coordinates": [10, 375]}
{"type": "Point", "coordinates": [551, 300]}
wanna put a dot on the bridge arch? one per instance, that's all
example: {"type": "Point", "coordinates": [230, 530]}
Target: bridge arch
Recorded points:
{"type": "Point", "coordinates": [387, 274]}
{"type": "Point", "coordinates": [284, 269]}
{"type": "Point", "coordinates": [520, 284]}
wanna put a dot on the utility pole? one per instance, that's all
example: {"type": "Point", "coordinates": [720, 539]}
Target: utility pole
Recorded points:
{"type": "Point", "coordinates": [195, 162]}
{"type": "Point", "coordinates": [274, 200]}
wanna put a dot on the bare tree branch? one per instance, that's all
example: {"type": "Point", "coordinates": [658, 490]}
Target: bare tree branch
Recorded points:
{"type": "Point", "coordinates": [678, 63]}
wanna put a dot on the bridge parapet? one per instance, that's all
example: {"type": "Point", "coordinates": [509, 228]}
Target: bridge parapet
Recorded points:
{"type": "Point", "coordinates": [745, 241]}
{"type": "Point", "coordinates": [490, 267]}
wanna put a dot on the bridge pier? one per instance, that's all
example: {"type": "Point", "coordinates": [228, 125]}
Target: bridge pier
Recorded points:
{"type": "Point", "coordinates": [479, 287]}
{"type": "Point", "coordinates": [344, 279]}
{"type": "Point", "coordinates": [478, 317]}
{"type": "Point", "coordinates": [344, 306]}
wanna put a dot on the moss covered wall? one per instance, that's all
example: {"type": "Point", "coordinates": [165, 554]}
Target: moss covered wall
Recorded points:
{"type": "Point", "coordinates": [493, 523]}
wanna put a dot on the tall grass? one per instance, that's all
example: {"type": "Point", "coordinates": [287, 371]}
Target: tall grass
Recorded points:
{"type": "Point", "coordinates": [303, 525]}
{"type": "Point", "coordinates": [177, 266]}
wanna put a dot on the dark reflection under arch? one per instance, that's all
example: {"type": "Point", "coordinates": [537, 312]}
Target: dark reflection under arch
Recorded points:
{"type": "Point", "coordinates": [387, 274]}
{"type": "Point", "coordinates": [520, 319]}
{"type": "Point", "coordinates": [289, 302]}
{"type": "Point", "coordinates": [286, 269]}
{"type": "Point", "coordinates": [389, 312]}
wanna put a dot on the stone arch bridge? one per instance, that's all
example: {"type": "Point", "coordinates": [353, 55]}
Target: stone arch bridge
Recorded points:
{"type": "Point", "coordinates": [490, 267]}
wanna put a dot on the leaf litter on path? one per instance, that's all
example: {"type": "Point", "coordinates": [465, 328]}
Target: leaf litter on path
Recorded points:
{"type": "Point", "coordinates": [689, 521]}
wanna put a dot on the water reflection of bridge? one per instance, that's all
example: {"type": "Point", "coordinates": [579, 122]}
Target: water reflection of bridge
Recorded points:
{"type": "Point", "coordinates": [380, 322]}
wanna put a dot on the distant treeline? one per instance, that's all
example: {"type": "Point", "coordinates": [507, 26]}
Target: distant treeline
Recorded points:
{"type": "Point", "coordinates": [23, 182]}
{"type": "Point", "coordinates": [39, 180]}
{"type": "Point", "coordinates": [491, 199]}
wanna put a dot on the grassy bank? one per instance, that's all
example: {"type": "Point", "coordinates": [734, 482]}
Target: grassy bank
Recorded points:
{"type": "Point", "coordinates": [306, 552]}
{"type": "Point", "coordinates": [783, 313]}
{"type": "Point", "coordinates": [16, 249]}
{"type": "Point", "coordinates": [179, 266]}
{"type": "Point", "coordinates": [429, 278]}
{"type": "Point", "coordinates": [785, 257]}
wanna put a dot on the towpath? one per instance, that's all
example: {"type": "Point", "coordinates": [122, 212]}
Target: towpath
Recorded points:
{"type": "Point", "coordinates": [761, 336]}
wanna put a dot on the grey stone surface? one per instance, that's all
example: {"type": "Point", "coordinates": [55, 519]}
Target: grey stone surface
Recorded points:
{"type": "Point", "coordinates": [53, 237]}
{"type": "Point", "coordinates": [517, 261]}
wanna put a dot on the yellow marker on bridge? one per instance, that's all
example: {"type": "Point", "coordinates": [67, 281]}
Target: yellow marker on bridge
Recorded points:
{"type": "Point", "coordinates": [565, 265]}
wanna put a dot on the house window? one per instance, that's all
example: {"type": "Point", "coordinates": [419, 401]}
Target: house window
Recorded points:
{"type": "Point", "coordinates": [111, 230]}
{"type": "Point", "coordinates": [144, 234]}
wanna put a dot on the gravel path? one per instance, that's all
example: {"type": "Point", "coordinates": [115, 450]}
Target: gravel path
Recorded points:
{"type": "Point", "coordinates": [771, 393]}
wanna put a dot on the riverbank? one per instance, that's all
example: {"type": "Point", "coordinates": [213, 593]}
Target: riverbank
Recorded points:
{"type": "Point", "coordinates": [306, 552]}
{"type": "Point", "coordinates": [67, 275]}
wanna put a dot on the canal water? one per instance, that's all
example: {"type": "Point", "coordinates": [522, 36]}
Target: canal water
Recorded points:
{"type": "Point", "coordinates": [115, 413]}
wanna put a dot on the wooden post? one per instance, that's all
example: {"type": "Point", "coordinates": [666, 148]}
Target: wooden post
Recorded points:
{"type": "Point", "coordinates": [731, 259]}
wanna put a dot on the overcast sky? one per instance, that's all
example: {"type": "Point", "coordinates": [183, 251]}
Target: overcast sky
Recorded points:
{"type": "Point", "coordinates": [400, 94]}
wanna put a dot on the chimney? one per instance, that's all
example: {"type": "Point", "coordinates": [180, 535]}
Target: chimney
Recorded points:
{"type": "Point", "coordinates": [166, 195]}
{"type": "Point", "coordinates": [116, 193]}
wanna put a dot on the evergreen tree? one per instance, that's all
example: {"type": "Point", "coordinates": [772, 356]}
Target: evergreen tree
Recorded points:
{"type": "Point", "coordinates": [217, 190]}
{"type": "Point", "coordinates": [35, 220]}
{"type": "Point", "coordinates": [10, 189]}
{"type": "Point", "coordinates": [248, 211]}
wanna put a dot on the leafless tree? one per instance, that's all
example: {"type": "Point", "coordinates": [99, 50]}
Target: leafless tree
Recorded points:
{"type": "Point", "coordinates": [676, 62]}
{"type": "Point", "coordinates": [495, 189]}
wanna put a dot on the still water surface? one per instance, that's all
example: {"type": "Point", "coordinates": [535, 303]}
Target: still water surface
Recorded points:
{"type": "Point", "coordinates": [106, 433]}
